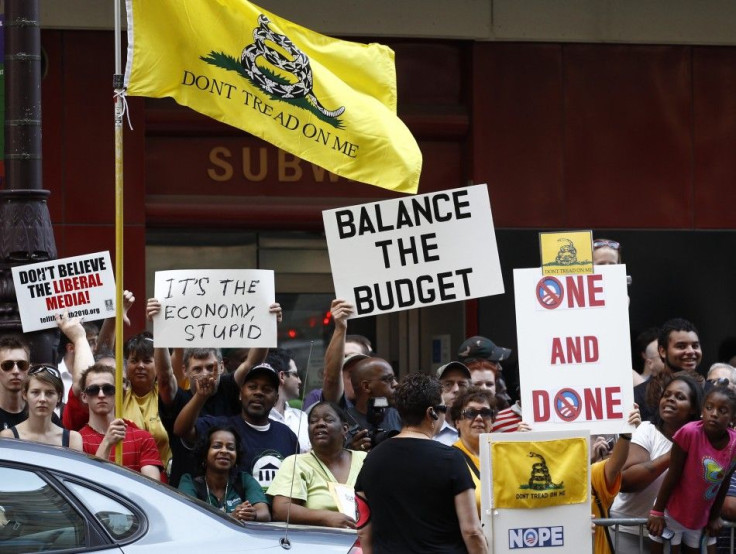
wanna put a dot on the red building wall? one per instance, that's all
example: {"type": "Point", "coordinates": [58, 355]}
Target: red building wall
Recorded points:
{"type": "Point", "coordinates": [566, 135]}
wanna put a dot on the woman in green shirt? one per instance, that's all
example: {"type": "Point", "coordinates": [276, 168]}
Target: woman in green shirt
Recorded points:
{"type": "Point", "coordinates": [323, 491]}
{"type": "Point", "coordinates": [234, 492]}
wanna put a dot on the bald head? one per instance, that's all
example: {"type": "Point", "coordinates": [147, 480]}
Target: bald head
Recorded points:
{"type": "Point", "coordinates": [373, 377]}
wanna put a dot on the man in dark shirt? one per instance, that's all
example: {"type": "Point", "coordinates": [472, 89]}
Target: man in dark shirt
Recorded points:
{"type": "Point", "coordinates": [265, 443]}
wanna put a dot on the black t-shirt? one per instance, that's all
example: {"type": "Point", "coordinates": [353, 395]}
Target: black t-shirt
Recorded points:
{"type": "Point", "coordinates": [411, 486]}
{"type": "Point", "coordinates": [640, 397]}
{"type": "Point", "coordinates": [225, 402]}
{"type": "Point", "coordinates": [8, 419]}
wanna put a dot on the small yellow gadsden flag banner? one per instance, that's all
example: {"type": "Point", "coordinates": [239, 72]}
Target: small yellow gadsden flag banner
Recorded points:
{"type": "Point", "coordinates": [328, 101]}
{"type": "Point", "coordinates": [567, 252]}
{"type": "Point", "coordinates": [538, 474]}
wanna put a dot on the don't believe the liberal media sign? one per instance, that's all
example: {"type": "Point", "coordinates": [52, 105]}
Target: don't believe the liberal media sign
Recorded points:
{"type": "Point", "coordinates": [414, 251]}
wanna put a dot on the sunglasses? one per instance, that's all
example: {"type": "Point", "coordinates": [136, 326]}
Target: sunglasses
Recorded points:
{"type": "Point", "coordinates": [600, 243]}
{"type": "Point", "coordinates": [720, 382]}
{"type": "Point", "coordinates": [36, 369]}
{"type": "Point", "coordinates": [442, 408]}
{"type": "Point", "coordinates": [8, 365]}
{"type": "Point", "coordinates": [94, 390]}
{"type": "Point", "coordinates": [485, 413]}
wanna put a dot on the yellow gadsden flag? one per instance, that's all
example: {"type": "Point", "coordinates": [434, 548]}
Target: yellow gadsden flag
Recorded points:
{"type": "Point", "coordinates": [537, 474]}
{"type": "Point", "coordinates": [330, 102]}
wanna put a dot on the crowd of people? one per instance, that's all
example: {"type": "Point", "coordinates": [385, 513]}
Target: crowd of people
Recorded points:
{"type": "Point", "coordinates": [396, 460]}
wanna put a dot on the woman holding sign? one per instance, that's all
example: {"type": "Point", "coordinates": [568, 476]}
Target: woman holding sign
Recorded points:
{"type": "Point", "coordinates": [42, 391]}
{"type": "Point", "coordinates": [323, 480]}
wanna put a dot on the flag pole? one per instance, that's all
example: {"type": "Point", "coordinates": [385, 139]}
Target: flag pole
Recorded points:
{"type": "Point", "coordinates": [119, 108]}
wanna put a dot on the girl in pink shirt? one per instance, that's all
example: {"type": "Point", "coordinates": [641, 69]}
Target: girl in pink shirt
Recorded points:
{"type": "Point", "coordinates": [701, 462]}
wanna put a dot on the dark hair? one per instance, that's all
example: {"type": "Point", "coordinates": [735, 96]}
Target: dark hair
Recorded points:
{"type": "Point", "coordinates": [641, 342]}
{"type": "Point", "coordinates": [141, 345]}
{"type": "Point", "coordinates": [362, 341]}
{"type": "Point", "coordinates": [15, 342]}
{"type": "Point", "coordinates": [279, 359]}
{"type": "Point", "coordinates": [415, 393]}
{"type": "Point", "coordinates": [203, 445]}
{"type": "Point", "coordinates": [726, 391]}
{"type": "Point", "coordinates": [727, 349]}
{"type": "Point", "coordinates": [97, 368]}
{"type": "Point", "coordinates": [334, 407]}
{"type": "Point", "coordinates": [696, 399]}
{"type": "Point", "coordinates": [672, 325]}
{"type": "Point", "coordinates": [200, 354]}
{"type": "Point", "coordinates": [472, 394]}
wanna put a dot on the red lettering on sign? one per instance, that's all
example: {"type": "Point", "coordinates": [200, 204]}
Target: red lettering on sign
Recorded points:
{"type": "Point", "coordinates": [612, 402]}
{"type": "Point", "coordinates": [578, 350]}
{"type": "Point", "coordinates": [540, 402]}
{"type": "Point", "coordinates": [584, 290]}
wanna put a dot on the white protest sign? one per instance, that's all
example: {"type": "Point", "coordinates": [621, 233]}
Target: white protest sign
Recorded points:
{"type": "Point", "coordinates": [215, 308]}
{"type": "Point", "coordinates": [84, 285]}
{"type": "Point", "coordinates": [414, 251]}
{"type": "Point", "coordinates": [574, 349]}
{"type": "Point", "coordinates": [566, 527]}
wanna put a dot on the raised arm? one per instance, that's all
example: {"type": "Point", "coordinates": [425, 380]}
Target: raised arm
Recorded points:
{"type": "Point", "coordinates": [620, 452]}
{"type": "Point", "coordinates": [256, 355]}
{"type": "Point", "coordinates": [106, 336]}
{"type": "Point", "coordinates": [332, 387]}
{"type": "Point", "coordinates": [184, 426]}
{"type": "Point", "coordinates": [83, 357]}
{"type": "Point", "coordinates": [167, 385]}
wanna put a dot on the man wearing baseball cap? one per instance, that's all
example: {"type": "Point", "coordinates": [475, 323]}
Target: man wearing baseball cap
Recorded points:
{"type": "Point", "coordinates": [265, 443]}
{"type": "Point", "coordinates": [455, 378]}
{"type": "Point", "coordinates": [482, 348]}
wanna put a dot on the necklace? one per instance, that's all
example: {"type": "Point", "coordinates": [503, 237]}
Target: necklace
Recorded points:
{"type": "Point", "coordinates": [407, 431]}
{"type": "Point", "coordinates": [220, 504]}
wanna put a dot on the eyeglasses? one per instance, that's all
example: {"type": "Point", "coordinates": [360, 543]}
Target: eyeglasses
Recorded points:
{"type": "Point", "coordinates": [47, 368]}
{"type": "Point", "coordinates": [442, 408]}
{"type": "Point", "coordinates": [600, 243]}
{"type": "Point", "coordinates": [8, 365]}
{"type": "Point", "coordinates": [471, 413]}
{"type": "Point", "coordinates": [720, 382]}
{"type": "Point", "coordinates": [447, 386]}
{"type": "Point", "coordinates": [291, 373]}
{"type": "Point", "coordinates": [94, 390]}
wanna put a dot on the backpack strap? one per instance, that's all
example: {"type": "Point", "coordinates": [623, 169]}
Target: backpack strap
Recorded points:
{"type": "Point", "coordinates": [65, 438]}
{"type": "Point", "coordinates": [469, 461]}
{"type": "Point", "coordinates": [15, 432]}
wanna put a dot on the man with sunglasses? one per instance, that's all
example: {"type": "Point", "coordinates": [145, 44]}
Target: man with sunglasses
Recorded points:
{"type": "Point", "coordinates": [15, 355]}
{"type": "Point", "coordinates": [103, 431]}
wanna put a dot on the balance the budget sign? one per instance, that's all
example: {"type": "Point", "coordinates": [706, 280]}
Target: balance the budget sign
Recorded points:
{"type": "Point", "coordinates": [82, 285]}
{"type": "Point", "coordinates": [574, 349]}
{"type": "Point", "coordinates": [414, 251]}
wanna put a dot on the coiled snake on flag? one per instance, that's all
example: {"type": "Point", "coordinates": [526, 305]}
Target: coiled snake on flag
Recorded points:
{"type": "Point", "coordinates": [298, 67]}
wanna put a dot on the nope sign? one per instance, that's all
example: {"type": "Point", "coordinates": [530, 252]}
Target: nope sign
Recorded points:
{"type": "Point", "coordinates": [574, 329]}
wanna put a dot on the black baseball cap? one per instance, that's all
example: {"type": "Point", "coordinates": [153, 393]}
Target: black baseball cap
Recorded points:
{"type": "Point", "coordinates": [481, 347]}
{"type": "Point", "coordinates": [263, 369]}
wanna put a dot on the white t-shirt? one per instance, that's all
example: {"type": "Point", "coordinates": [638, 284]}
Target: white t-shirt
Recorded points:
{"type": "Point", "coordinates": [638, 504]}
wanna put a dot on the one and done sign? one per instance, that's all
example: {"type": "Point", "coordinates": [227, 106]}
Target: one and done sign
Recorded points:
{"type": "Point", "coordinates": [215, 308]}
{"type": "Point", "coordinates": [574, 349]}
{"type": "Point", "coordinates": [82, 285]}
{"type": "Point", "coordinates": [414, 251]}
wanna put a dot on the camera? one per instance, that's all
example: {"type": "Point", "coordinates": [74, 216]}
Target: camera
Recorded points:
{"type": "Point", "coordinates": [377, 408]}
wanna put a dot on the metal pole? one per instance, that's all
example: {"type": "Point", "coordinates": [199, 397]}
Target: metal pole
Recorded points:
{"type": "Point", "coordinates": [119, 106]}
